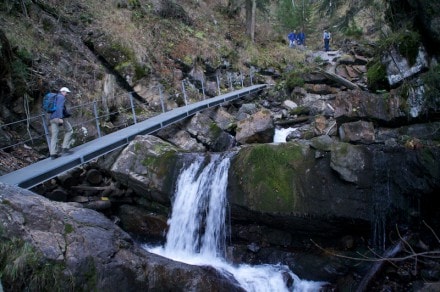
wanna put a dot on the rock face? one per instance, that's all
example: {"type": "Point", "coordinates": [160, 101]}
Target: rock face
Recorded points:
{"type": "Point", "coordinates": [291, 181]}
{"type": "Point", "coordinates": [93, 252]}
{"type": "Point", "coordinates": [144, 166]}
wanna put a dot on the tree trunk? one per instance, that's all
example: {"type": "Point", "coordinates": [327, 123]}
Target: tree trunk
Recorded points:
{"type": "Point", "coordinates": [251, 7]}
{"type": "Point", "coordinates": [338, 79]}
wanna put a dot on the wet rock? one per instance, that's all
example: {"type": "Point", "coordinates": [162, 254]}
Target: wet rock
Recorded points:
{"type": "Point", "coordinates": [258, 128]}
{"type": "Point", "coordinates": [203, 128]}
{"type": "Point", "coordinates": [358, 104]}
{"type": "Point", "coordinates": [398, 68]}
{"type": "Point", "coordinates": [351, 162]}
{"type": "Point", "coordinates": [142, 223]}
{"type": "Point", "coordinates": [94, 253]}
{"type": "Point", "coordinates": [323, 142]}
{"type": "Point", "coordinates": [141, 166]}
{"type": "Point", "coordinates": [357, 132]}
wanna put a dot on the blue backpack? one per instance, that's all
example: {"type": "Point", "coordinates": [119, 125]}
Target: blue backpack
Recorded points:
{"type": "Point", "coordinates": [50, 102]}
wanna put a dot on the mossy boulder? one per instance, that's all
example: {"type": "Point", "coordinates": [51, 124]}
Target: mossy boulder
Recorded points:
{"type": "Point", "coordinates": [289, 186]}
{"type": "Point", "coordinates": [269, 177]}
{"type": "Point", "coordinates": [145, 164]}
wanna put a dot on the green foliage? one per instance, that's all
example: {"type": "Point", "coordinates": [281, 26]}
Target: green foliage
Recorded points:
{"type": "Point", "coordinates": [137, 15]}
{"type": "Point", "coordinates": [318, 60]}
{"type": "Point", "coordinates": [293, 80]}
{"type": "Point", "coordinates": [14, 6]}
{"type": "Point", "coordinates": [329, 7]}
{"type": "Point", "coordinates": [405, 41]}
{"type": "Point", "coordinates": [140, 71]}
{"type": "Point", "coordinates": [353, 31]}
{"type": "Point", "coordinates": [376, 76]}
{"type": "Point", "coordinates": [298, 17]}
{"type": "Point", "coordinates": [22, 268]}
{"type": "Point", "coordinates": [20, 76]}
{"type": "Point", "coordinates": [431, 80]}
{"type": "Point", "coordinates": [86, 18]}
{"type": "Point", "coordinates": [68, 228]}
{"type": "Point", "coordinates": [134, 3]}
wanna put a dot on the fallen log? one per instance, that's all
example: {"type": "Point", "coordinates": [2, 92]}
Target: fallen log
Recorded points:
{"type": "Point", "coordinates": [90, 188]}
{"type": "Point", "coordinates": [98, 205]}
{"type": "Point", "coordinates": [293, 121]}
{"type": "Point", "coordinates": [58, 194]}
{"type": "Point", "coordinates": [338, 79]}
{"type": "Point", "coordinates": [94, 176]}
{"type": "Point", "coordinates": [387, 255]}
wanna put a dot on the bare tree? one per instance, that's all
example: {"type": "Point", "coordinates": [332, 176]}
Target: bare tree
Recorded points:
{"type": "Point", "coordinates": [251, 7]}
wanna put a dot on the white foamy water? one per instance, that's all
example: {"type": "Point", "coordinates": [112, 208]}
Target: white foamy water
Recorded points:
{"type": "Point", "coordinates": [281, 134]}
{"type": "Point", "coordinates": [197, 231]}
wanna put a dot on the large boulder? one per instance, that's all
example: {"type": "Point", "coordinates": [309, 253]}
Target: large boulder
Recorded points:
{"type": "Point", "coordinates": [284, 184]}
{"type": "Point", "coordinates": [258, 128]}
{"type": "Point", "coordinates": [64, 247]}
{"type": "Point", "coordinates": [208, 133]}
{"type": "Point", "coordinates": [145, 165]}
{"type": "Point", "coordinates": [357, 104]}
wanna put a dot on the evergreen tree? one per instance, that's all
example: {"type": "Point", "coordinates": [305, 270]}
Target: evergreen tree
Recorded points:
{"type": "Point", "coordinates": [295, 15]}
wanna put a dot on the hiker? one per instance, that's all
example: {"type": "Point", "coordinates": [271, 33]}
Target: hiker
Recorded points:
{"type": "Point", "coordinates": [292, 38]}
{"type": "Point", "coordinates": [301, 38]}
{"type": "Point", "coordinates": [326, 36]}
{"type": "Point", "coordinates": [58, 119]}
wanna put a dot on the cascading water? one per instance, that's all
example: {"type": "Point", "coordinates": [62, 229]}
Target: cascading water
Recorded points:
{"type": "Point", "coordinates": [281, 134]}
{"type": "Point", "coordinates": [381, 201]}
{"type": "Point", "coordinates": [197, 231]}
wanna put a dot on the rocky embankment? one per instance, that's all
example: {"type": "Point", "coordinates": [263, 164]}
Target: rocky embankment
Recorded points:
{"type": "Point", "coordinates": [358, 169]}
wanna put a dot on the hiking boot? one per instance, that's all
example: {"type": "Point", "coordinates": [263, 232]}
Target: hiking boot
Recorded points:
{"type": "Point", "coordinates": [66, 151]}
{"type": "Point", "coordinates": [54, 156]}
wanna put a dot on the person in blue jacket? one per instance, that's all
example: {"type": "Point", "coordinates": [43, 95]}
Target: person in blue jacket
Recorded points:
{"type": "Point", "coordinates": [301, 38]}
{"type": "Point", "coordinates": [326, 36]}
{"type": "Point", "coordinates": [58, 120]}
{"type": "Point", "coordinates": [292, 38]}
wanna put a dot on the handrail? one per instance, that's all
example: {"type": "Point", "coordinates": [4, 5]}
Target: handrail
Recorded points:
{"type": "Point", "coordinates": [46, 169]}
{"type": "Point", "coordinates": [99, 118]}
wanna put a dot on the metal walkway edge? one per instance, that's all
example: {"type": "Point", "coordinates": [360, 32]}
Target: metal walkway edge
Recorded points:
{"type": "Point", "coordinates": [46, 169]}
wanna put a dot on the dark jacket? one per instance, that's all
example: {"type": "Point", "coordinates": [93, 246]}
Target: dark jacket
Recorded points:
{"type": "Point", "coordinates": [59, 113]}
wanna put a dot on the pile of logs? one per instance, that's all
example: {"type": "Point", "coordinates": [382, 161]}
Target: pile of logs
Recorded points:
{"type": "Point", "coordinates": [89, 186]}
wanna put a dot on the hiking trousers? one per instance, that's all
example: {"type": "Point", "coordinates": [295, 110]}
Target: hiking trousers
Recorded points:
{"type": "Point", "coordinates": [327, 45]}
{"type": "Point", "coordinates": [55, 130]}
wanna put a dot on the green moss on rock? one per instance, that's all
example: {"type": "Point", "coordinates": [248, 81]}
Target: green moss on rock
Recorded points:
{"type": "Point", "coordinates": [267, 175]}
{"type": "Point", "coordinates": [24, 269]}
{"type": "Point", "coordinates": [377, 76]}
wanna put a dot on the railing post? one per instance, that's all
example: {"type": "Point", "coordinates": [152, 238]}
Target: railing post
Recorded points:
{"type": "Point", "coordinates": [132, 107]}
{"type": "Point", "coordinates": [203, 89]}
{"type": "Point", "coordinates": [218, 84]}
{"type": "Point", "coordinates": [241, 79]}
{"type": "Point", "coordinates": [184, 92]}
{"type": "Point", "coordinates": [46, 130]}
{"type": "Point", "coordinates": [95, 112]}
{"type": "Point", "coordinates": [251, 72]}
{"type": "Point", "coordinates": [230, 80]}
{"type": "Point", "coordinates": [161, 99]}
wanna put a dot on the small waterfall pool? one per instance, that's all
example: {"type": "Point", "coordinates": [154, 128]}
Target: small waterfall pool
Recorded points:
{"type": "Point", "coordinates": [197, 230]}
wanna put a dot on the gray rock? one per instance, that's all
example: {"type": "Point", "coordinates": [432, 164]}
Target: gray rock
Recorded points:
{"type": "Point", "coordinates": [259, 128]}
{"type": "Point", "coordinates": [357, 132]}
{"type": "Point", "coordinates": [95, 254]}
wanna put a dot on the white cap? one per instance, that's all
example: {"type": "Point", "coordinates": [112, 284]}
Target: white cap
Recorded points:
{"type": "Point", "coordinates": [64, 89]}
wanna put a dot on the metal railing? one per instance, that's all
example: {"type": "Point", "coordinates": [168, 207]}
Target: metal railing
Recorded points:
{"type": "Point", "coordinates": [92, 119]}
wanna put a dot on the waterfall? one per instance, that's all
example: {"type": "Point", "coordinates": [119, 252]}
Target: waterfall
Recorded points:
{"type": "Point", "coordinates": [197, 231]}
{"type": "Point", "coordinates": [381, 201]}
{"type": "Point", "coordinates": [281, 134]}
